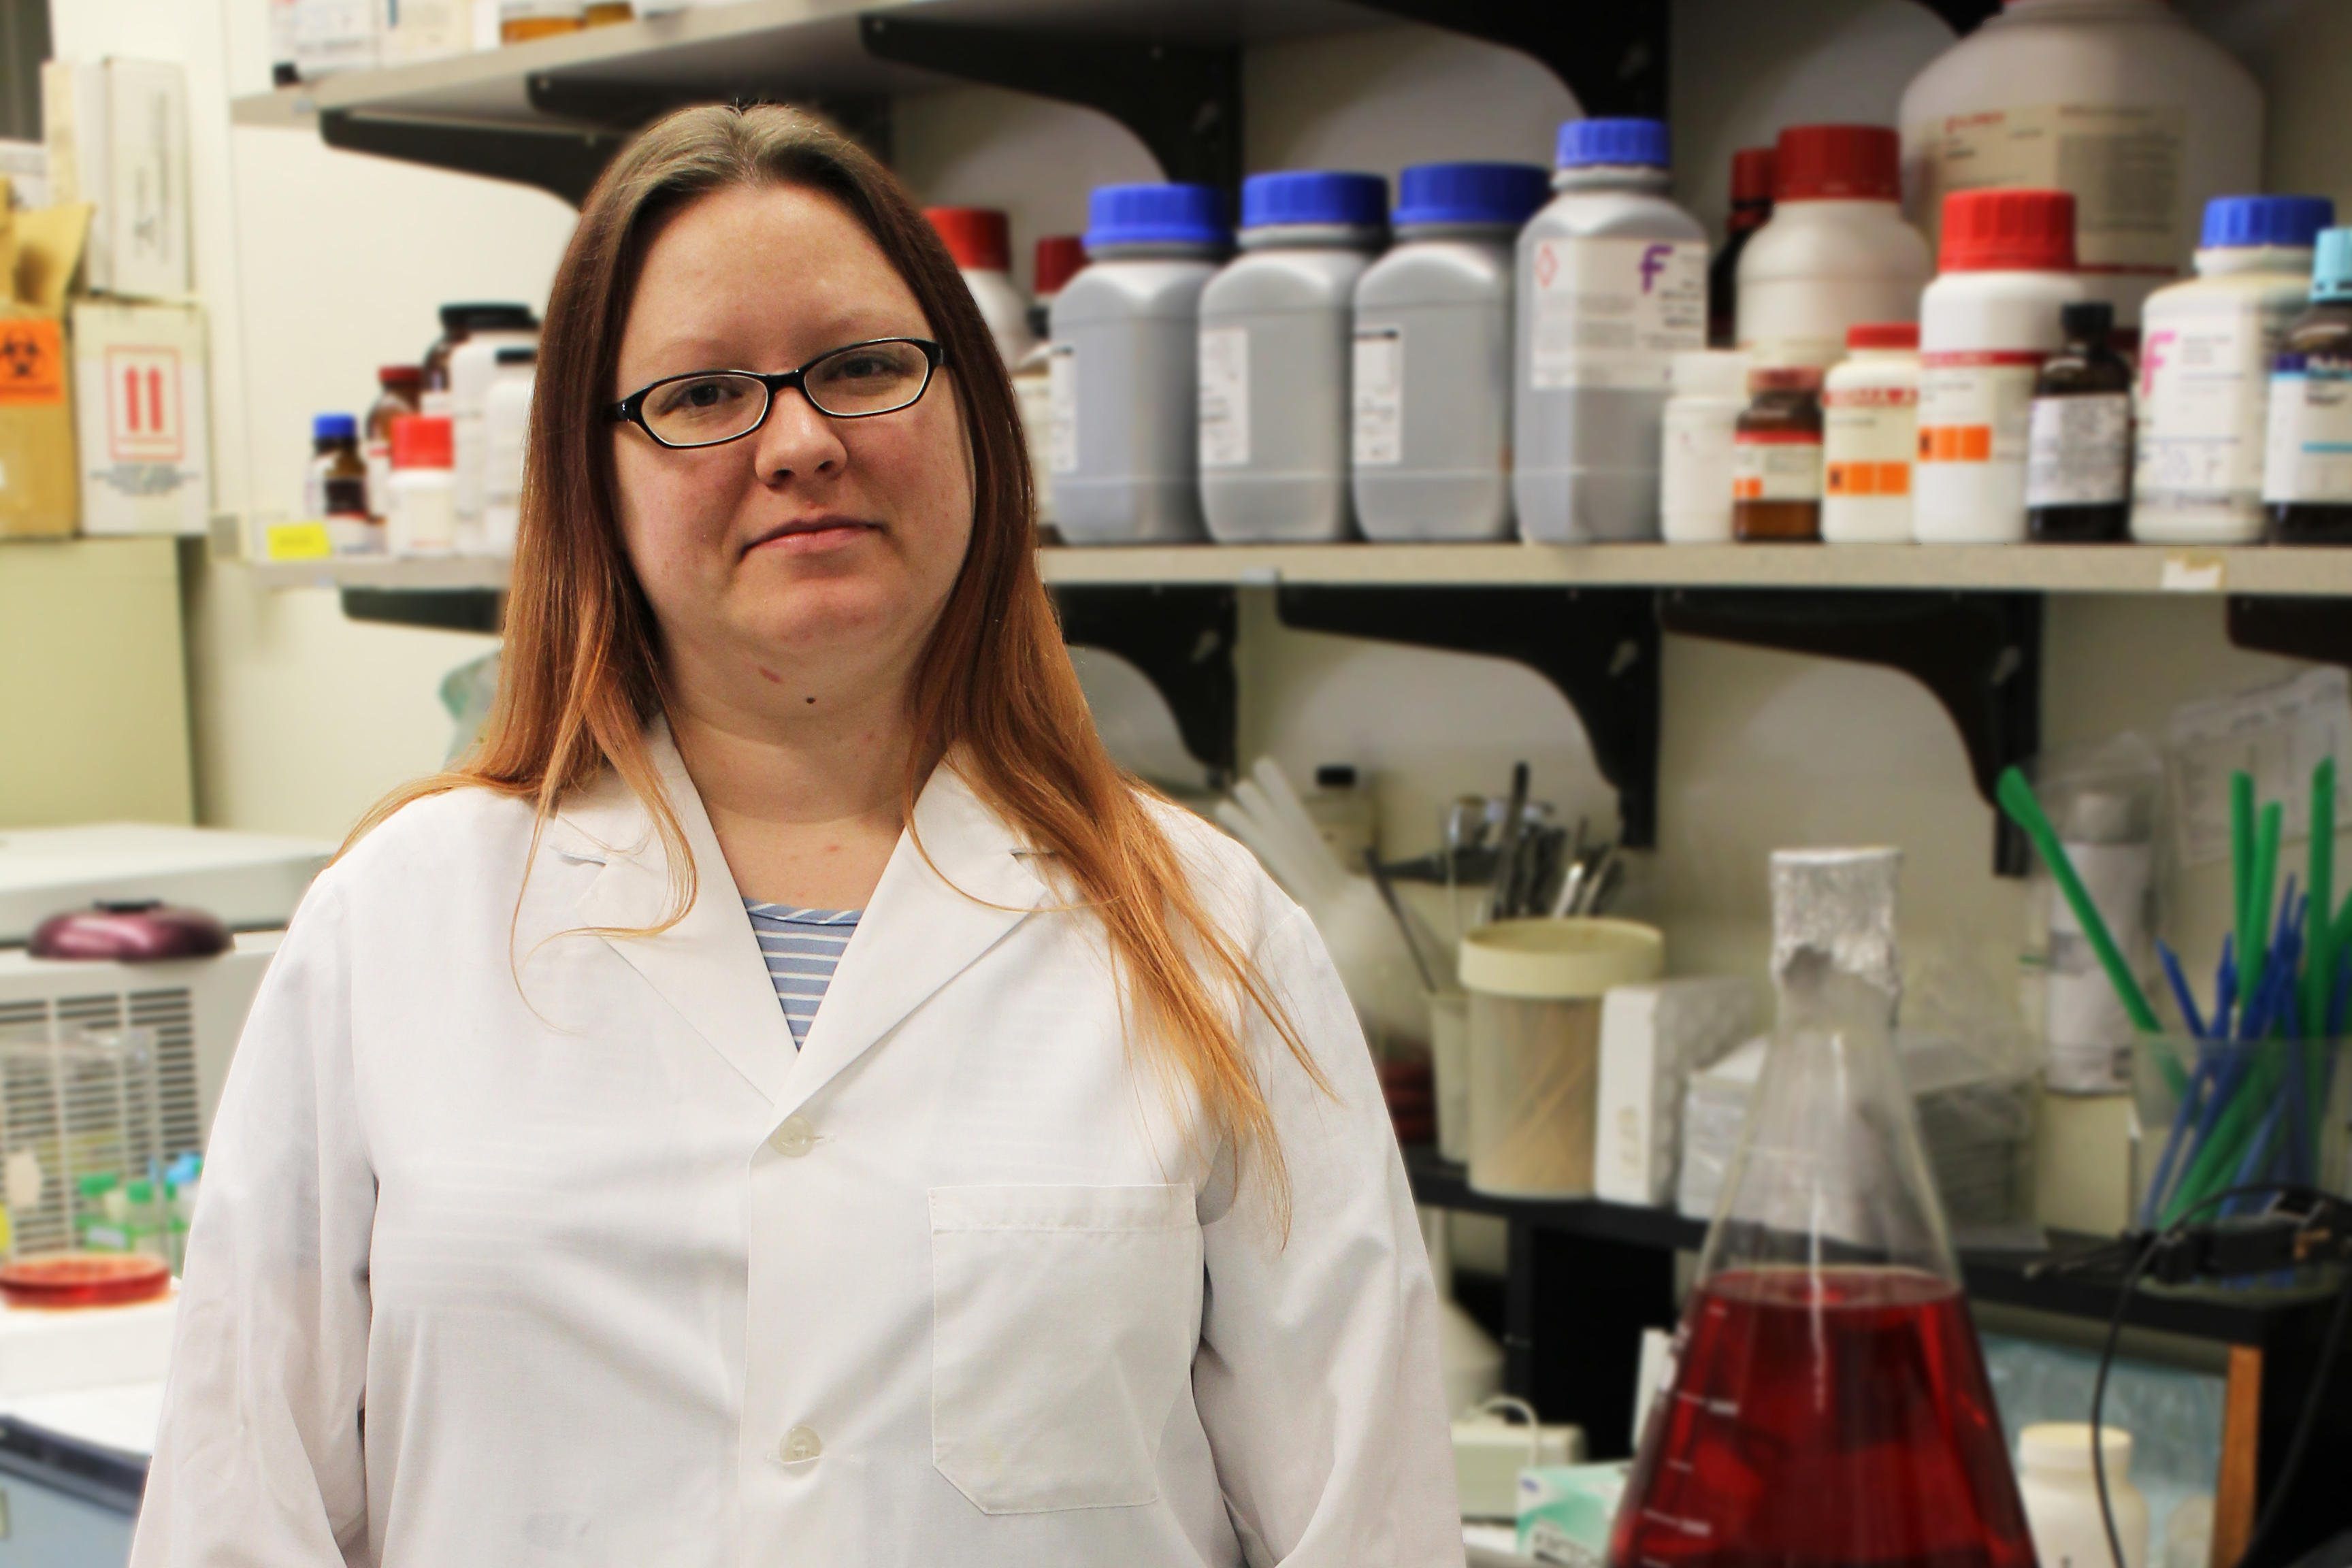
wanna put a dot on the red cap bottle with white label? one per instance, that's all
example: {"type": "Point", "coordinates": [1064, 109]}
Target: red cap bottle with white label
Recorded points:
{"type": "Point", "coordinates": [1837, 252]}
{"type": "Point", "coordinates": [1870, 430]}
{"type": "Point", "coordinates": [980, 240]}
{"type": "Point", "coordinates": [1985, 326]}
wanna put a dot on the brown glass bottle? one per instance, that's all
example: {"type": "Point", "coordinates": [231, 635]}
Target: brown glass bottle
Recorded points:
{"type": "Point", "coordinates": [2079, 448]}
{"type": "Point", "coordinates": [2314, 369]}
{"type": "Point", "coordinates": [1751, 203]}
{"type": "Point", "coordinates": [1776, 459]}
{"type": "Point", "coordinates": [459, 323]}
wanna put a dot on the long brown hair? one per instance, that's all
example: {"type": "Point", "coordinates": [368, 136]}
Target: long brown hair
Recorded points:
{"type": "Point", "coordinates": [581, 677]}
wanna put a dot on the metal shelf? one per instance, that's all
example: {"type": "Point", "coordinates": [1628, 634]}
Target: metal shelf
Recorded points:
{"type": "Point", "coordinates": [414, 573]}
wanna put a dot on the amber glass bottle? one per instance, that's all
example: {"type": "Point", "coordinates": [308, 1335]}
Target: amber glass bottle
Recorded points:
{"type": "Point", "coordinates": [2079, 445]}
{"type": "Point", "coordinates": [1776, 458]}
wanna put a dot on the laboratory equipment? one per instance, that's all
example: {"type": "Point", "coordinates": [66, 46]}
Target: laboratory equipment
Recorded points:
{"type": "Point", "coordinates": [1710, 394]}
{"type": "Point", "coordinates": [423, 520]}
{"type": "Point", "coordinates": [1869, 435]}
{"type": "Point", "coordinates": [144, 930]}
{"type": "Point", "coordinates": [2061, 1501]}
{"type": "Point", "coordinates": [1836, 252]}
{"type": "Point", "coordinates": [1751, 204]}
{"type": "Point", "coordinates": [1497, 1441]}
{"type": "Point", "coordinates": [2307, 464]}
{"type": "Point", "coordinates": [1830, 1405]}
{"type": "Point", "coordinates": [2078, 463]}
{"type": "Point", "coordinates": [1653, 1037]}
{"type": "Point", "coordinates": [1776, 458]}
{"type": "Point", "coordinates": [980, 241]}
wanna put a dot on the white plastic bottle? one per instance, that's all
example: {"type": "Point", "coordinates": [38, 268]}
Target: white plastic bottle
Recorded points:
{"type": "Point", "coordinates": [1276, 336]}
{"type": "Point", "coordinates": [1059, 257]}
{"type": "Point", "coordinates": [2119, 101]}
{"type": "Point", "coordinates": [1612, 285]}
{"type": "Point", "coordinates": [506, 419]}
{"type": "Point", "coordinates": [423, 520]}
{"type": "Point", "coordinates": [1870, 434]}
{"type": "Point", "coordinates": [1430, 380]}
{"type": "Point", "coordinates": [2062, 1495]}
{"type": "Point", "coordinates": [473, 365]}
{"type": "Point", "coordinates": [2205, 352]}
{"type": "Point", "coordinates": [1710, 391]}
{"type": "Point", "coordinates": [1124, 368]}
{"type": "Point", "coordinates": [1836, 252]}
{"type": "Point", "coordinates": [1985, 326]}
{"type": "Point", "coordinates": [980, 240]}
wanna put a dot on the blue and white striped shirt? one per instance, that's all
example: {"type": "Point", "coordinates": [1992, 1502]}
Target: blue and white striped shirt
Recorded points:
{"type": "Point", "coordinates": [802, 948]}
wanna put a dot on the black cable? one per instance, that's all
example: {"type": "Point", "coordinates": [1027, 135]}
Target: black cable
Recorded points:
{"type": "Point", "coordinates": [2099, 1397]}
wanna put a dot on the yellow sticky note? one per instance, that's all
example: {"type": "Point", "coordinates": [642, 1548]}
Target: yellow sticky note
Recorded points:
{"type": "Point", "coordinates": [298, 542]}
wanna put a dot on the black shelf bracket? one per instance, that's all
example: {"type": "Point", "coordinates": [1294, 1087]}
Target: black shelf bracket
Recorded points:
{"type": "Point", "coordinates": [1182, 637]}
{"type": "Point", "coordinates": [1613, 57]}
{"type": "Point", "coordinates": [2318, 629]}
{"type": "Point", "coordinates": [629, 106]}
{"type": "Point", "coordinates": [562, 162]}
{"type": "Point", "coordinates": [1598, 645]}
{"type": "Point", "coordinates": [440, 609]}
{"type": "Point", "coordinates": [1979, 653]}
{"type": "Point", "coordinates": [1965, 16]}
{"type": "Point", "coordinates": [1184, 101]}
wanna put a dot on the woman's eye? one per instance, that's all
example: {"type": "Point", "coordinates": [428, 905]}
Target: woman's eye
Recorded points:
{"type": "Point", "coordinates": [703, 395]}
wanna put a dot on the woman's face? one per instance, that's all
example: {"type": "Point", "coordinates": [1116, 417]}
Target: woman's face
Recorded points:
{"type": "Point", "coordinates": [812, 557]}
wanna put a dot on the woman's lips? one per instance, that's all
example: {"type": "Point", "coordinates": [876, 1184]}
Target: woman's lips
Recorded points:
{"type": "Point", "coordinates": [814, 539]}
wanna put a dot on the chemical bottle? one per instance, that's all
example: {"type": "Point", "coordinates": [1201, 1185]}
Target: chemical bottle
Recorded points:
{"type": "Point", "coordinates": [423, 520]}
{"type": "Point", "coordinates": [1612, 285]}
{"type": "Point", "coordinates": [418, 30]}
{"type": "Point", "coordinates": [2062, 1495]}
{"type": "Point", "coordinates": [505, 426]}
{"type": "Point", "coordinates": [1125, 370]}
{"type": "Point", "coordinates": [459, 323]}
{"type": "Point", "coordinates": [335, 489]}
{"type": "Point", "coordinates": [1058, 258]}
{"type": "Point", "coordinates": [473, 365]}
{"type": "Point", "coordinates": [1275, 340]}
{"type": "Point", "coordinates": [1346, 816]}
{"type": "Point", "coordinates": [2206, 348]}
{"type": "Point", "coordinates": [1829, 1403]}
{"type": "Point", "coordinates": [1870, 432]}
{"type": "Point", "coordinates": [2079, 441]}
{"type": "Point", "coordinates": [1985, 326]}
{"type": "Point", "coordinates": [1430, 380]}
{"type": "Point", "coordinates": [2308, 473]}
{"type": "Point", "coordinates": [1751, 203]}
{"type": "Point", "coordinates": [2118, 102]}
{"type": "Point", "coordinates": [2110, 839]}
{"type": "Point", "coordinates": [1837, 251]}
{"type": "Point", "coordinates": [520, 21]}
{"type": "Point", "coordinates": [980, 240]}
{"type": "Point", "coordinates": [608, 13]}
{"type": "Point", "coordinates": [397, 388]}
{"type": "Point", "coordinates": [1776, 458]}
{"type": "Point", "coordinates": [1695, 467]}
{"type": "Point", "coordinates": [331, 38]}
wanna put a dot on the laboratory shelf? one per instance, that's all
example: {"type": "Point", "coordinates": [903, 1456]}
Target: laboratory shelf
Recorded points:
{"type": "Point", "coordinates": [416, 573]}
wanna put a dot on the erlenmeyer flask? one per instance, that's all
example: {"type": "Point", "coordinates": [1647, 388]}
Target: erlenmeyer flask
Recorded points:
{"type": "Point", "coordinates": [1828, 1408]}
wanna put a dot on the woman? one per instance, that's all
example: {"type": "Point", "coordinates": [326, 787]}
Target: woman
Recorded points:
{"type": "Point", "coordinates": [547, 1221]}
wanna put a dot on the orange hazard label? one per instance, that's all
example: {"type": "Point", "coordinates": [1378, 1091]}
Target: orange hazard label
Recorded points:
{"type": "Point", "coordinates": [31, 361]}
{"type": "Point", "coordinates": [1870, 479]}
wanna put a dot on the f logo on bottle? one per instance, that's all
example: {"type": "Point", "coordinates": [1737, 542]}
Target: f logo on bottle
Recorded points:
{"type": "Point", "coordinates": [2151, 359]}
{"type": "Point", "coordinates": [1653, 261]}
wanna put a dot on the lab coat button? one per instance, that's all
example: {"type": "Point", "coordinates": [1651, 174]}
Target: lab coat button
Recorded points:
{"type": "Point", "coordinates": [793, 1140]}
{"type": "Point", "coordinates": [800, 1446]}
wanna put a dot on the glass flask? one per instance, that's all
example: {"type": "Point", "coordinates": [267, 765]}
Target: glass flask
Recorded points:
{"type": "Point", "coordinates": [1829, 1406]}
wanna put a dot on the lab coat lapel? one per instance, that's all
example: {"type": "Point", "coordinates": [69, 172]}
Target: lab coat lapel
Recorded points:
{"type": "Point", "coordinates": [936, 909]}
{"type": "Point", "coordinates": [707, 966]}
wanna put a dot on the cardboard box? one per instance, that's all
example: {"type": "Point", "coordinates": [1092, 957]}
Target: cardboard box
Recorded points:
{"type": "Point", "coordinates": [118, 138]}
{"type": "Point", "coordinates": [140, 417]}
{"type": "Point", "coordinates": [39, 494]}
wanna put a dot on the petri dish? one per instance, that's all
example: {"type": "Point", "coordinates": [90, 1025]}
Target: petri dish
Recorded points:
{"type": "Point", "coordinates": [84, 1279]}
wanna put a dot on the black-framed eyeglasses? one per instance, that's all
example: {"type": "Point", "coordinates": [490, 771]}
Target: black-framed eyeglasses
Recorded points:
{"type": "Point", "coordinates": [711, 407]}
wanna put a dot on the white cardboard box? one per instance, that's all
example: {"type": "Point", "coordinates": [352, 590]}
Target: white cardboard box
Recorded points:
{"type": "Point", "coordinates": [1653, 1037]}
{"type": "Point", "coordinates": [118, 137]}
{"type": "Point", "coordinates": [140, 417]}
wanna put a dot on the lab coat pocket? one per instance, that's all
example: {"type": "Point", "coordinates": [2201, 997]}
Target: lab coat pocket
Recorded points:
{"type": "Point", "coordinates": [1063, 1325]}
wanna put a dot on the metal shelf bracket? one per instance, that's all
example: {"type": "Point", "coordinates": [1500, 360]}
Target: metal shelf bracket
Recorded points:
{"type": "Point", "coordinates": [562, 162]}
{"type": "Point", "coordinates": [2318, 630]}
{"type": "Point", "coordinates": [1181, 639]}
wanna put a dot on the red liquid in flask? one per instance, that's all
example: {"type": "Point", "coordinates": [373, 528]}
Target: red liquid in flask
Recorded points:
{"type": "Point", "coordinates": [1830, 1419]}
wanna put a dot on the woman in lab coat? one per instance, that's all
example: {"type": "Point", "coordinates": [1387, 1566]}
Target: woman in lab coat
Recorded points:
{"type": "Point", "coordinates": [1072, 1233]}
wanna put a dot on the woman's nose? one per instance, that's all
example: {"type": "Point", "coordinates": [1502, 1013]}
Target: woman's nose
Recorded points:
{"type": "Point", "coordinates": [797, 440]}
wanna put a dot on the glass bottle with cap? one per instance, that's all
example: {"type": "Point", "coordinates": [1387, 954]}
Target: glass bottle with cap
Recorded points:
{"type": "Point", "coordinates": [1869, 435]}
{"type": "Point", "coordinates": [1837, 252]}
{"type": "Point", "coordinates": [1058, 258]}
{"type": "Point", "coordinates": [1776, 458]}
{"type": "Point", "coordinates": [398, 386]}
{"type": "Point", "coordinates": [1751, 204]}
{"type": "Point", "coordinates": [2307, 471]}
{"type": "Point", "coordinates": [1275, 343]}
{"type": "Point", "coordinates": [980, 241]}
{"type": "Point", "coordinates": [335, 489]}
{"type": "Point", "coordinates": [2079, 444]}
{"type": "Point", "coordinates": [1699, 438]}
{"type": "Point", "coordinates": [423, 520]}
{"type": "Point", "coordinates": [459, 323]}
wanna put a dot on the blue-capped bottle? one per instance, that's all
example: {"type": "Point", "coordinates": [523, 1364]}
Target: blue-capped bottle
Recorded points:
{"type": "Point", "coordinates": [2307, 471]}
{"type": "Point", "coordinates": [1275, 337]}
{"type": "Point", "coordinates": [1612, 285]}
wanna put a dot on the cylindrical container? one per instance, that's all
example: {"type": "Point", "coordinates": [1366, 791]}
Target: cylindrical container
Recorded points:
{"type": "Point", "coordinates": [506, 418]}
{"type": "Point", "coordinates": [1837, 252]}
{"type": "Point", "coordinates": [1710, 394]}
{"type": "Point", "coordinates": [1124, 368]}
{"type": "Point", "coordinates": [2206, 348]}
{"type": "Point", "coordinates": [1870, 433]}
{"type": "Point", "coordinates": [2118, 102]}
{"type": "Point", "coordinates": [1535, 991]}
{"type": "Point", "coordinates": [2078, 446]}
{"type": "Point", "coordinates": [520, 21]}
{"type": "Point", "coordinates": [400, 384]}
{"type": "Point", "coordinates": [980, 240]}
{"type": "Point", "coordinates": [1431, 455]}
{"type": "Point", "coordinates": [459, 323]}
{"type": "Point", "coordinates": [1751, 204]}
{"type": "Point", "coordinates": [1612, 285]}
{"type": "Point", "coordinates": [1776, 458]}
{"type": "Point", "coordinates": [336, 482]}
{"type": "Point", "coordinates": [1275, 343]}
{"type": "Point", "coordinates": [473, 365]}
{"type": "Point", "coordinates": [1059, 257]}
{"type": "Point", "coordinates": [423, 520]}
{"type": "Point", "coordinates": [1985, 326]}
{"type": "Point", "coordinates": [2307, 472]}
{"type": "Point", "coordinates": [1449, 1065]}
{"type": "Point", "coordinates": [2062, 1495]}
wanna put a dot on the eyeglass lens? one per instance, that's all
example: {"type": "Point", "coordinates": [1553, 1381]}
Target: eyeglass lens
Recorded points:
{"type": "Point", "coordinates": [867, 378]}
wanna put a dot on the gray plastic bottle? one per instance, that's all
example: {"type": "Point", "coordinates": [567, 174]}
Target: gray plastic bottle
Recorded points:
{"type": "Point", "coordinates": [1612, 285]}
{"type": "Point", "coordinates": [1121, 372]}
{"type": "Point", "coordinates": [1430, 454]}
{"type": "Point", "coordinates": [1275, 347]}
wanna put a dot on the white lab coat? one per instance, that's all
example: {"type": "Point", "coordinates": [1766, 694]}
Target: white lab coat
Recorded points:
{"type": "Point", "coordinates": [522, 1244]}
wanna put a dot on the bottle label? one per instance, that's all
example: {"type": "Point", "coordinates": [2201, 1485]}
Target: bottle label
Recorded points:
{"type": "Point", "coordinates": [1614, 312]}
{"type": "Point", "coordinates": [2079, 451]}
{"type": "Point", "coordinates": [1776, 465]}
{"type": "Point", "coordinates": [1868, 433]}
{"type": "Point", "coordinates": [379, 477]}
{"type": "Point", "coordinates": [1974, 406]}
{"type": "Point", "coordinates": [1695, 479]}
{"type": "Point", "coordinates": [1224, 407]}
{"type": "Point", "coordinates": [2203, 379]}
{"type": "Point", "coordinates": [2310, 457]}
{"type": "Point", "coordinates": [2123, 165]}
{"type": "Point", "coordinates": [1379, 397]}
{"type": "Point", "coordinates": [1062, 409]}
{"type": "Point", "coordinates": [2090, 1034]}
